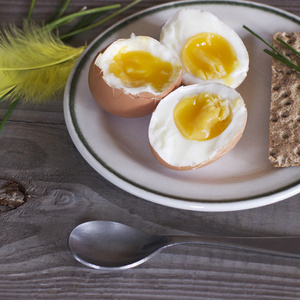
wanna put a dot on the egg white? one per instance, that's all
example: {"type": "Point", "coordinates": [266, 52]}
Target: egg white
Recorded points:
{"type": "Point", "coordinates": [167, 141]}
{"type": "Point", "coordinates": [136, 43]}
{"type": "Point", "coordinates": [186, 23]}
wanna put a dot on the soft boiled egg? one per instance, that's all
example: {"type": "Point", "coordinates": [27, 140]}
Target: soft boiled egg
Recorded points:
{"type": "Point", "coordinates": [209, 49]}
{"type": "Point", "coordinates": [132, 75]}
{"type": "Point", "coordinates": [195, 125]}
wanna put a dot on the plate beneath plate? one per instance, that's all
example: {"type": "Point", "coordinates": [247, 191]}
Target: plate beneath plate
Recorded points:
{"type": "Point", "coordinates": [118, 148]}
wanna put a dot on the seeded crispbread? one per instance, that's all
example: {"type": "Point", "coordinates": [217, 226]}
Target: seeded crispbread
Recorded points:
{"type": "Point", "coordinates": [284, 130]}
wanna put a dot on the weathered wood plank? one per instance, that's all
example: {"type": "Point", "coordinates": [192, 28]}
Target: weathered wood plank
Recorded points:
{"type": "Point", "coordinates": [63, 191]}
{"type": "Point", "coordinates": [34, 256]}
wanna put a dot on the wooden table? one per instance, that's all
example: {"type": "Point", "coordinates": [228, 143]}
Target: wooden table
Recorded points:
{"type": "Point", "coordinates": [63, 191]}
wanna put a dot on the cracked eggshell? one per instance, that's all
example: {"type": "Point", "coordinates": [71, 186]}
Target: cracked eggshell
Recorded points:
{"type": "Point", "coordinates": [173, 151]}
{"type": "Point", "coordinates": [187, 23]}
{"type": "Point", "coordinates": [123, 101]}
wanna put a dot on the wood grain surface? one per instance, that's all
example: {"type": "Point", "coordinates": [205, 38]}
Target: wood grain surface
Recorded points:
{"type": "Point", "coordinates": [62, 191]}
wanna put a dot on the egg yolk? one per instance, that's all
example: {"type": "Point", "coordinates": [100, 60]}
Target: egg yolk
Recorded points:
{"type": "Point", "coordinates": [141, 68]}
{"type": "Point", "coordinates": [209, 56]}
{"type": "Point", "coordinates": [202, 117]}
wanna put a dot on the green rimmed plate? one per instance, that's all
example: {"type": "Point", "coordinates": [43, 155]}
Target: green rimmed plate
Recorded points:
{"type": "Point", "coordinates": [118, 148]}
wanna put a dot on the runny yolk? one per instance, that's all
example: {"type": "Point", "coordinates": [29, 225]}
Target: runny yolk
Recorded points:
{"type": "Point", "coordinates": [141, 68]}
{"type": "Point", "coordinates": [202, 117]}
{"type": "Point", "coordinates": [209, 56]}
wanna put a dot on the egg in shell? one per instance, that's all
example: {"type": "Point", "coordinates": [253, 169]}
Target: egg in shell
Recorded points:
{"type": "Point", "coordinates": [196, 125]}
{"type": "Point", "coordinates": [209, 49]}
{"type": "Point", "coordinates": [132, 75]}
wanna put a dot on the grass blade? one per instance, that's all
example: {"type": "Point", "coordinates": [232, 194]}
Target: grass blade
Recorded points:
{"type": "Point", "coordinates": [56, 12]}
{"type": "Point", "coordinates": [63, 9]}
{"type": "Point", "coordinates": [67, 35]}
{"type": "Point", "coordinates": [56, 20]}
{"type": "Point", "coordinates": [86, 21]}
{"type": "Point", "coordinates": [14, 103]}
{"type": "Point", "coordinates": [32, 4]}
{"type": "Point", "coordinates": [71, 17]}
{"type": "Point", "coordinates": [8, 113]}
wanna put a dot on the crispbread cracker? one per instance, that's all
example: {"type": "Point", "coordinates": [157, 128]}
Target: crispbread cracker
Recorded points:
{"type": "Point", "coordinates": [284, 130]}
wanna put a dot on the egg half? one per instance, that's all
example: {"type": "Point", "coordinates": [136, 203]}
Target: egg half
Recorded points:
{"type": "Point", "coordinates": [209, 49]}
{"type": "Point", "coordinates": [131, 76]}
{"type": "Point", "coordinates": [195, 125]}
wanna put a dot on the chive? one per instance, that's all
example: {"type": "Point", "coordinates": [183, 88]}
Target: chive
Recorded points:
{"type": "Point", "coordinates": [277, 54]}
{"type": "Point", "coordinates": [288, 46]}
{"type": "Point", "coordinates": [285, 61]}
{"type": "Point", "coordinates": [264, 41]}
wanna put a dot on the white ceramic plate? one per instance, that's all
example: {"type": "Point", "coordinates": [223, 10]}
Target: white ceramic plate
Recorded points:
{"type": "Point", "coordinates": [118, 148]}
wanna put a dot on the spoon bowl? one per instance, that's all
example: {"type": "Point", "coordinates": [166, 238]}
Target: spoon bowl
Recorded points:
{"type": "Point", "coordinates": [105, 244]}
{"type": "Point", "coordinates": [112, 245]}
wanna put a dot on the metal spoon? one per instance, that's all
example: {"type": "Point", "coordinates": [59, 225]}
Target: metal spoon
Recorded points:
{"type": "Point", "coordinates": [111, 245]}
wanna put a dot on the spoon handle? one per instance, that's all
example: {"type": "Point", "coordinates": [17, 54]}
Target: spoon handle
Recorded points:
{"type": "Point", "coordinates": [287, 246]}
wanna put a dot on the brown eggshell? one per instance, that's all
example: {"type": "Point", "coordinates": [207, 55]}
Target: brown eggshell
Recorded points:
{"type": "Point", "coordinates": [161, 122]}
{"type": "Point", "coordinates": [117, 102]}
{"type": "Point", "coordinates": [218, 155]}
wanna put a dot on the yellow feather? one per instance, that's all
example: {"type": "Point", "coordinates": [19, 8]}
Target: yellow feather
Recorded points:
{"type": "Point", "coordinates": [34, 63]}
